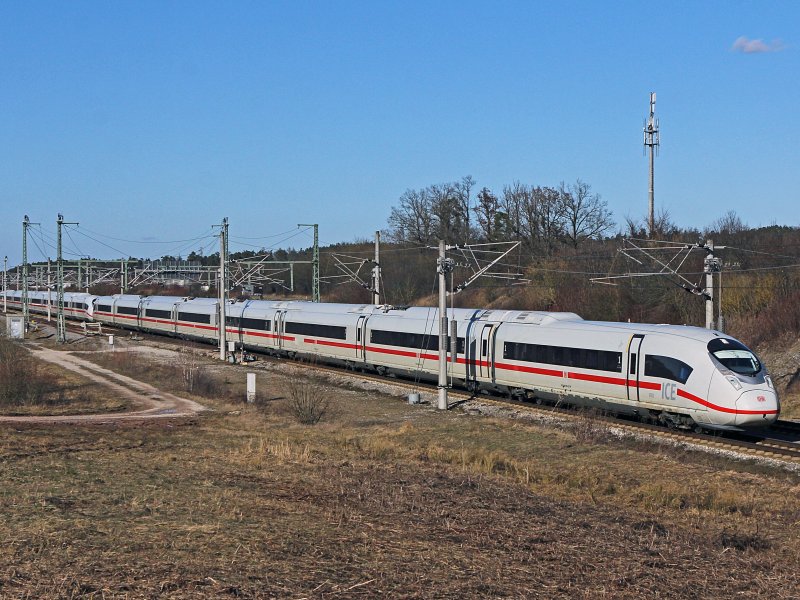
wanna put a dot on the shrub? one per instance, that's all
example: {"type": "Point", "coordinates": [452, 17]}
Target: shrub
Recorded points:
{"type": "Point", "coordinates": [21, 381]}
{"type": "Point", "coordinates": [307, 401]}
{"type": "Point", "coordinates": [589, 429]}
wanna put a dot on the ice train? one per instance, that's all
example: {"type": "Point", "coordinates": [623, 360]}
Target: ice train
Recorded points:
{"type": "Point", "coordinates": [677, 375]}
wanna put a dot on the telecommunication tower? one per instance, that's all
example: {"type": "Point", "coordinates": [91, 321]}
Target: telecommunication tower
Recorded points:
{"type": "Point", "coordinates": [651, 141]}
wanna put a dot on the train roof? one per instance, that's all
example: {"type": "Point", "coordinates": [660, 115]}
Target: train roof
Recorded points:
{"type": "Point", "coordinates": [686, 331]}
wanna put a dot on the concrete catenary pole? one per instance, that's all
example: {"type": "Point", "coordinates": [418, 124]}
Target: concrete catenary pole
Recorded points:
{"type": "Point", "coordinates": [442, 269]}
{"type": "Point", "coordinates": [720, 318]}
{"type": "Point", "coordinates": [61, 327]}
{"type": "Point", "coordinates": [26, 222]}
{"type": "Point", "coordinates": [708, 265]}
{"type": "Point", "coordinates": [49, 290]}
{"type": "Point", "coordinates": [223, 288]}
{"type": "Point", "coordinates": [5, 283]}
{"type": "Point", "coordinates": [376, 271]}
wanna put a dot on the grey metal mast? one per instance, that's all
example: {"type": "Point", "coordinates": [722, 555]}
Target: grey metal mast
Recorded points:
{"type": "Point", "coordinates": [5, 283]}
{"type": "Point", "coordinates": [223, 288]}
{"type": "Point", "coordinates": [711, 265]}
{"type": "Point", "coordinates": [49, 290]}
{"type": "Point", "coordinates": [376, 271]}
{"type": "Point", "coordinates": [61, 326]}
{"type": "Point", "coordinates": [314, 261]}
{"type": "Point", "coordinates": [26, 222]}
{"type": "Point", "coordinates": [651, 141]}
{"type": "Point", "coordinates": [443, 267]}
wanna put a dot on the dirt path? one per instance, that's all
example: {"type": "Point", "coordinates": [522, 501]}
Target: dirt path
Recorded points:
{"type": "Point", "coordinates": [152, 403]}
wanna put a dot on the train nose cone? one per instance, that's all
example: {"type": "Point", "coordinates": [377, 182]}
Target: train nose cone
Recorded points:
{"type": "Point", "coordinates": [757, 407]}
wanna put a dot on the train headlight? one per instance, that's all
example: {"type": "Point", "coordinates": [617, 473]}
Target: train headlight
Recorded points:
{"type": "Point", "coordinates": [734, 381]}
{"type": "Point", "coordinates": [768, 379]}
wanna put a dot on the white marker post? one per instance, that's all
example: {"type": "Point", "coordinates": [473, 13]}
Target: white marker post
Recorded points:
{"type": "Point", "coordinates": [251, 388]}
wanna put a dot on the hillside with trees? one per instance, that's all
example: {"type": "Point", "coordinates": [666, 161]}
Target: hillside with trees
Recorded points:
{"type": "Point", "coordinates": [569, 237]}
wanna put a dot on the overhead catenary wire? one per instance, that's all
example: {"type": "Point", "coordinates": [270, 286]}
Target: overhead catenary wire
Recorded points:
{"type": "Point", "coordinates": [205, 235]}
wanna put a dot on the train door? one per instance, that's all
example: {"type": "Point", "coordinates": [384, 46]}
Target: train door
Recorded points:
{"type": "Point", "coordinates": [280, 317]}
{"type": "Point", "coordinates": [233, 328]}
{"type": "Point", "coordinates": [238, 327]}
{"type": "Point", "coordinates": [173, 327]}
{"type": "Point", "coordinates": [485, 358]}
{"type": "Point", "coordinates": [471, 346]}
{"type": "Point", "coordinates": [361, 337]}
{"type": "Point", "coordinates": [632, 366]}
{"type": "Point", "coordinates": [140, 313]}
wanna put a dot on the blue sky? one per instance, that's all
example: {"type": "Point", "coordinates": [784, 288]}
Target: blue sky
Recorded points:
{"type": "Point", "coordinates": [153, 120]}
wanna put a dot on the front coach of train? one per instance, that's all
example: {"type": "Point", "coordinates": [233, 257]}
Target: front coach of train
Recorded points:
{"type": "Point", "coordinates": [742, 377]}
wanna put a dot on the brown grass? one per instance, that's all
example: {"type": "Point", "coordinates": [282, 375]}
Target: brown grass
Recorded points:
{"type": "Point", "coordinates": [382, 500]}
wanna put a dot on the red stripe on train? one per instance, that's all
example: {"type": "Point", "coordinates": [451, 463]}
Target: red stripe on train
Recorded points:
{"type": "Point", "coordinates": [716, 407]}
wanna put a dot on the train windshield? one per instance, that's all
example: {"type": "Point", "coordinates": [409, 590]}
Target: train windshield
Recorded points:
{"type": "Point", "coordinates": [735, 356]}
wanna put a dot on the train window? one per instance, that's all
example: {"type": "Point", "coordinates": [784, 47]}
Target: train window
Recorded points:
{"type": "Point", "coordinates": [735, 356]}
{"type": "Point", "coordinates": [127, 310]}
{"type": "Point", "coordinates": [158, 314]}
{"type": "Point", "coordinates": [258, 324]}
{"type": "Point", "coordinates": [194, 318]}
{"type": "Point", "coordinates": [582, 358]}
{"type": "Point", "coordinates": [248, 323]}
{"type": "Point", "coordinates": [336, 332]}
{"type": "Point", "coordinates": [666, 367]}
{"type": "Point", "coordinates": [418, 341]}
{"type": "Point", "coordinates": [485, 348]}
{"type": "Point", "coordinates": [104, 308]}
{"type": "Point", "coordinates": [633, 364]}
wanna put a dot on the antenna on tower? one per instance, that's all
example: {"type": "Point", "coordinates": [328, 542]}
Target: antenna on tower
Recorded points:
{"type": "Point", "coordinates": [652, 140]}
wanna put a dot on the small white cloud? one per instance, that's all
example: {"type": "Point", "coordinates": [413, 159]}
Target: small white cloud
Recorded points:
{"type": "Point", "coordinates": [748, 46]}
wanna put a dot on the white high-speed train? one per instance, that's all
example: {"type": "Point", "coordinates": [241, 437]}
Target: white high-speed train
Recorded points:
{"type": "Point", "coordinates": [681, 376]}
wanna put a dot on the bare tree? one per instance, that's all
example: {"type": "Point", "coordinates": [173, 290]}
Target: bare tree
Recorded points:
{"type": "Point", "coordinates": [463, 193]}
{"type": "Point", "coordinates": [663, 226]}
{"type": "Point", "coordinates": [729, 224]}
{"type": "Point", "coordinates": [446, 209]}
{"type": "Point", "coordinates": [533, 215]}
{"type": "Point", "coordinates": [413, 219]}
{"type": "Point", "coordinates": [585, 215]}
{"type": "Point", "coordinates": [550, 225]}
{"type": "Point", "coordinates": [488, 212]}
{"type": "Point", "coordinates": [440, 211]}
{"type": "Point", "coordinates": [512, 202]}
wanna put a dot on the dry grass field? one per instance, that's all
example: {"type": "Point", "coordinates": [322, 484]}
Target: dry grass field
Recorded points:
{"type": "Point", "coordinates": [378, 499]}
{"type": "Point", "coordinates": [32, 387]}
